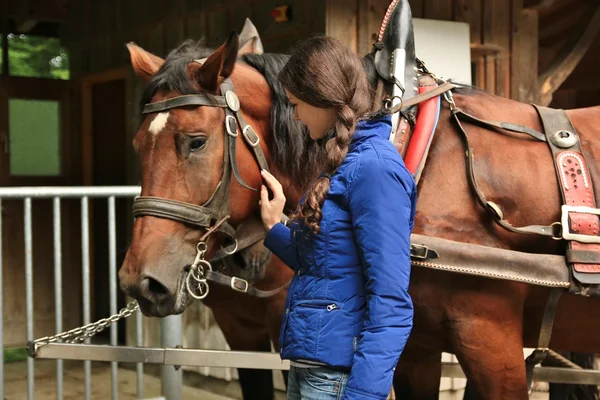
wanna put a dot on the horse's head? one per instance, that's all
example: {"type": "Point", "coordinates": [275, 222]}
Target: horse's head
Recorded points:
{"type": "Point", "coordinates": [209, 119]}
{"type": "Point", "coordinates": [186, 147]}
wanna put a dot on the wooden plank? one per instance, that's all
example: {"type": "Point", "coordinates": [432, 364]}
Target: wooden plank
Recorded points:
{"type": "Point", "coordinates": [377, 10]}
{"type": "Point", "coordinates": [502, 35]}
{"type": "Point", "coordinates": [342, 22]}
{"type": "Point", "coordinates": [218, 26]}
{"type": "Point", "coordinates": [525, 67]}
{"type": "Point", "coordinates": [364, 38]}
{"type": "Point", "coordinates": [417, 8]}
{"type": "Point", "coordinates": [155, 43]}
{"type": "Point", "coordinates": [517, 40]}
{"type": "Point", "coordinates": [469, 11]}
{"type": "Point", "coordinates": [438, 9]}
{"type": "Point", "coordinates": [489, 37]}
{"type": "Point", "coordinates": [195, 26]}
{"type": "Point", "coordinates": [173, 34]}
{"type": "Point", "coordinates": [570, 54]}
{"type": "Point", "coordinates": [238, 12]}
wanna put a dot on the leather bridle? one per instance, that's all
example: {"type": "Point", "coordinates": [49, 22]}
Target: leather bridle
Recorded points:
{"type": "Point", "coordinates": [212, 216]}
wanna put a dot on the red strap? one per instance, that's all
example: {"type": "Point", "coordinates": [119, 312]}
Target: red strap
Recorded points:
{"type": "Point", "coordinates": [577, 189]}
{"type": "Point", "coordinates": [423, 130]}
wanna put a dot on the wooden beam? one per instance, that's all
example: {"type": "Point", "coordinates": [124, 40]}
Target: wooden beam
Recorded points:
{"type": "Point", "coordinates": [569, 56]}
{"type": "Point", "coordinates": [524, 67]}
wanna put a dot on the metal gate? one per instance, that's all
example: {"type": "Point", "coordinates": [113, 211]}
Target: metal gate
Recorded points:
{"type": "Point", "coordinates": [168, 355]}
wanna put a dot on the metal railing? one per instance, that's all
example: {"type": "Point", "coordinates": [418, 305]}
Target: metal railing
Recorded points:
{"type": "Point", "coordinates": [110, 193]}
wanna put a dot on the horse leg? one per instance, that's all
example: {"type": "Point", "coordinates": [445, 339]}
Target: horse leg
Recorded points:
{"type": "Point", "coordinates": [417, 376]}
{"type": "Point", "coordinates": [255, 383]}
{"type": "Point", "coordinates": [490, 351]}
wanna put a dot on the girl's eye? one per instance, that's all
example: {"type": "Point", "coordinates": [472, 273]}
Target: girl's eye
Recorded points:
{"type": "Point", "coordinates": [197, 143]}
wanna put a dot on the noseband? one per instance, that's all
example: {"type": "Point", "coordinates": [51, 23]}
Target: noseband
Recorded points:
{"type": "Point", "coordinates": [212, 215]}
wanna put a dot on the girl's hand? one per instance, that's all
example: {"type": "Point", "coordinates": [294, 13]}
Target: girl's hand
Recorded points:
{"type": "Point", "coordinates": [271, 210]}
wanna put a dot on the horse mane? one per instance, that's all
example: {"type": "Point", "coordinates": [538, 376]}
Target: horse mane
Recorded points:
{"type": "Point", "coordinates": [292, 149]}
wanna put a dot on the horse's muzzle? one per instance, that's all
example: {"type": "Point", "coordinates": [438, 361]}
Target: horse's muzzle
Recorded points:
{"type": "Point", "coordinates": [153, 295]}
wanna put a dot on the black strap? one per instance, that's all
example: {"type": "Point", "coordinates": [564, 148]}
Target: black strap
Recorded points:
{"type": "Point", "coordinates": [493, 208]}
{"type": "Point", "coordinates": [250, 136]}
{"type": "Point", "coordinates": [186, 213]}
{"type": "Point", "coordinates": [540, 353]}
{"type": "Point", "coordinates": [242, 244]}
{"type": "Point", "coordinates": [502, 125]}
{"type": "Point", "coordinates": [241, 285]}
{"type": "Point", "coordinates": [200, 99]}
{"type": "Point", "coordinates": [232, 145]}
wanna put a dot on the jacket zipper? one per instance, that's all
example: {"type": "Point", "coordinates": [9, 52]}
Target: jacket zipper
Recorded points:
{"type": "Point", "coordinates": [329, 307]}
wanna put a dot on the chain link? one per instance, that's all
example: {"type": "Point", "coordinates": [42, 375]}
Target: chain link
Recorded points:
{"type": "Point", "coordinates": [79, 335]}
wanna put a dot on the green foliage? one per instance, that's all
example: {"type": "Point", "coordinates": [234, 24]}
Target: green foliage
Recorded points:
{"type": "Point", "coordinates": [15, 354]}
{"type": "Point", "coordinates": [37, 57]}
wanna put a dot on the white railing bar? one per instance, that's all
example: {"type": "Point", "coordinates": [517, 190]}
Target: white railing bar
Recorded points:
{"type": "Point", "coordinates": [66, 191]}
{"type": "Point", "coordinates": [27, 221]}
{"type": "Point", "coordinates": [85, 265]}
{"type": "Point", "coordinates": [58, 307]}
{"type": "Point", "coordinates": [112, 278]}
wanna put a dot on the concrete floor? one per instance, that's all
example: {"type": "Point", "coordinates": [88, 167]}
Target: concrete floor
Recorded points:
{"type": "Point", "coordinates": [15, 386]}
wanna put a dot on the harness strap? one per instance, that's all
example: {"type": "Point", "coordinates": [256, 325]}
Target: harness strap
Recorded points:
{"type": "Point", "coordinates": [248, 132]}
{"type": "Point", "coordinates": [443, 88]}
{"type": "Point", "coordinates": [541, 351]}
{"type": "Point", "coordinates": [243, 244]}
{"type": "Point", "coordinates": [493, 208]}
{"type": "Point", "coordinates": [580, 217]}
{"type": "Point", "coordinates": [241, 285]}
{"type": "Point", "coordinates": [502, 125]}
{"type": "Point", "coordinates": [186, 213]}
{"type": "Point", "coordinates": [200, 99]}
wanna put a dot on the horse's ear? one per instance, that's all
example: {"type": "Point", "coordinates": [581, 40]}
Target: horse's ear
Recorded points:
{"type": "Point", "coordinates": [250, 42]}
{"type": "Point", "coordinates": [219, 65]}
{"type": "Point", "coordinates": [144, 64]}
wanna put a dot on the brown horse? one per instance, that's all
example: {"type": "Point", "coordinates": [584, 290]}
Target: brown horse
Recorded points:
{"type": "Point", "coordinates": [485, 322]}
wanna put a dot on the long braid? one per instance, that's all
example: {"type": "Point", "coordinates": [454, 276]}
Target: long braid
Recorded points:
{"type": "Point", "coordinates": [326, 74]}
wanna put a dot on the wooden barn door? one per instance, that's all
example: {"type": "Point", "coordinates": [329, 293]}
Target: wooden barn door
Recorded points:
{"type": "Point", "coordinates": [104, 146]}
{"type": "Point", "coordinates": [37, 149]}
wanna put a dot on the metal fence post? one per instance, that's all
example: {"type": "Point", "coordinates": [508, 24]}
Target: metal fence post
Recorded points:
{"type": "Point", "coordinates": [170, 336]}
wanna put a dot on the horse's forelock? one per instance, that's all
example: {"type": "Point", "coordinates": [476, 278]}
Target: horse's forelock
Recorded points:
{"type": "Point", "coordinates": [173, 76]}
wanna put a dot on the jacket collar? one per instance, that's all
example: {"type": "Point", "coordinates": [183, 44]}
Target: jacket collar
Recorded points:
{"type": "Point", "coordinates": [377, 127]}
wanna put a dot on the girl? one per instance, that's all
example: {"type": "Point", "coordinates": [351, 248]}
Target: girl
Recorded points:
{"type": "Point", "coordinates": [348, 313]}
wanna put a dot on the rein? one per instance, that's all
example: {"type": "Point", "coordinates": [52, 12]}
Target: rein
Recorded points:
{"type": "Point", "coordinates": [214, 214]}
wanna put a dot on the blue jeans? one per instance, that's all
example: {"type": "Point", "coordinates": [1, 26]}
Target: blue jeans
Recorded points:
{"type": "Point", "coordinates": [319, 383]}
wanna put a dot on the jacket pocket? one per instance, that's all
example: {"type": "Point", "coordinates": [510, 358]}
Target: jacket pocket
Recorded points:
{"type": "Point", "coordinates": [327, 305]}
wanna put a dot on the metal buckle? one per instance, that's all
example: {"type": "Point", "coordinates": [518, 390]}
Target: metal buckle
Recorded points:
{"type": "Point", "coordinates": [234, 280]}
{"type": "Point", "coordinates": [566, 228]}
{"type": "Point", "coordinates": [231, 126]}
{"type": "Point", "coordinates": [250, 142]}
{"type": "Point", "coordinates": [419, 251]}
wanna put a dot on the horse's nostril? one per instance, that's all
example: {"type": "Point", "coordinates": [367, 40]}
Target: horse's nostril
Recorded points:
{"type": "Point", "coordinates": [156, 288]}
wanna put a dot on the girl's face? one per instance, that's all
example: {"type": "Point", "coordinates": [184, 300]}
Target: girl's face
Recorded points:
{"type": "Point", "coordinates": [317, 120]}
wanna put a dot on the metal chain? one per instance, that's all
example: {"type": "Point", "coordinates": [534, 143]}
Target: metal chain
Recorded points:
{"type": "Point", "coordinates": [78, 335]}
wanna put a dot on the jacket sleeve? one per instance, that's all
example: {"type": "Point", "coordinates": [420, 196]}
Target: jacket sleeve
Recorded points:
{"type": "Point", "coordinates": [381, 199]}
{"type": "Point", "coordinates": [281, 243]}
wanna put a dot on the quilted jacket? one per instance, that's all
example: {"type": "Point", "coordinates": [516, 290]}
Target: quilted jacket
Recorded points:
{"type": "Point", "coordinates": [348, 304]}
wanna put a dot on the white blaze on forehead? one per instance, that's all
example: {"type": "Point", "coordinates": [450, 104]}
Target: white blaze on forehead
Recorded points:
{"type": "Point", "coordinates": [159, 122]}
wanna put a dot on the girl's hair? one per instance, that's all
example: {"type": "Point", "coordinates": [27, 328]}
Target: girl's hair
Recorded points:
{"type": "Point", "coordinates": [327, 74]}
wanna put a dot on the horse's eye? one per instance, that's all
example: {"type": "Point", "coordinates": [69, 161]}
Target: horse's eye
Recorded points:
{"type": "Point", "coordinates": [197, 143]}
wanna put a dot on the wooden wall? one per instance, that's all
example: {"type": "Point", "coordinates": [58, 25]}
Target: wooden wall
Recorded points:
{"type": "Point", "coordinates": [503, 36]}
{"type": "Point", "coordinates": [96, 32]}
